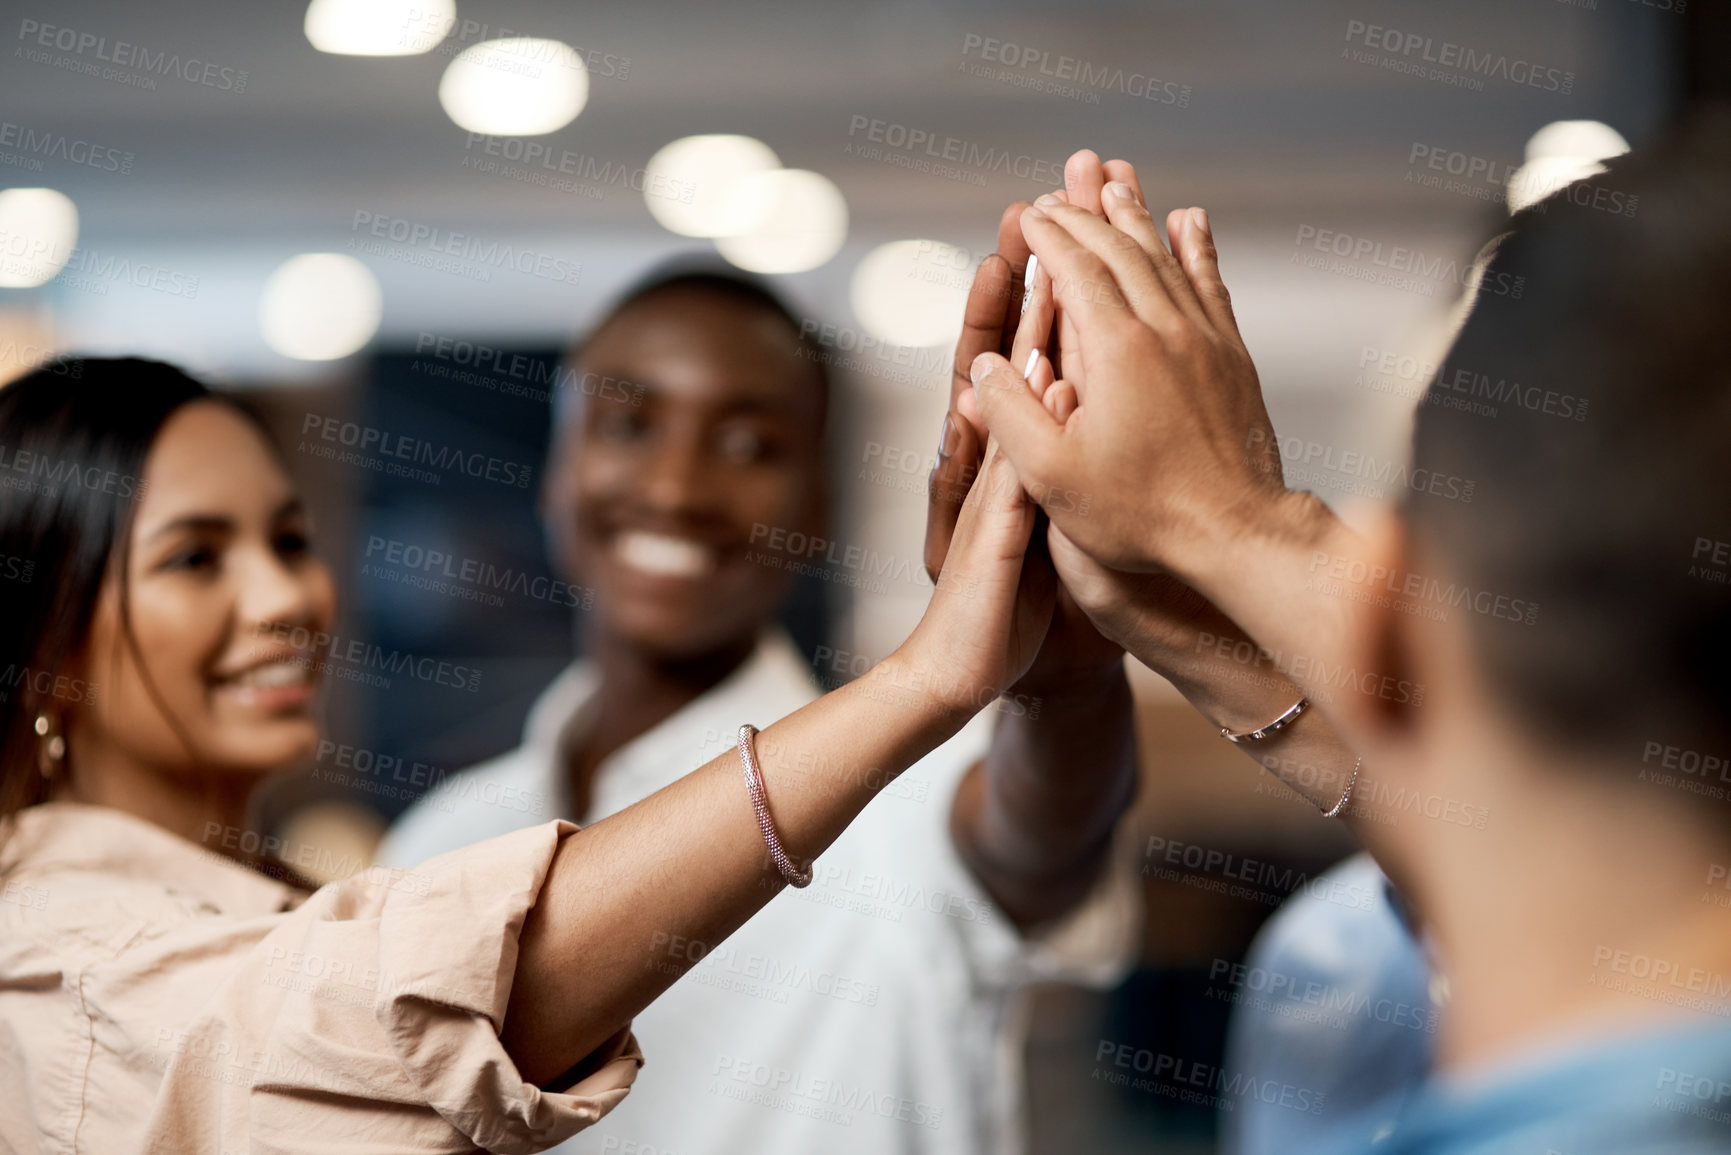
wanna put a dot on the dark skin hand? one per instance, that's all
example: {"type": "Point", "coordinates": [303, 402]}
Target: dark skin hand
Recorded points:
{"type": "Point", "coordinates": [1034, 820]}
{"type": "Point", "coordinates": [1162, 620]}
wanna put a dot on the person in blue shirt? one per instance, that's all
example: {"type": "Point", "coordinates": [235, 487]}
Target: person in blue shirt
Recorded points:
{"type": "Point", "coordinates": [1555, 576]}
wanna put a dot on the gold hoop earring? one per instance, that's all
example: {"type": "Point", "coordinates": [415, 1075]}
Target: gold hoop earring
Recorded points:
{"type": "Point", "coordinates": [51, 751]}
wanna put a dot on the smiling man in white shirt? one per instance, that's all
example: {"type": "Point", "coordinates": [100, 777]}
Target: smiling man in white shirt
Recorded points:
{"type": "Point", "coordinates": [880, 1009]}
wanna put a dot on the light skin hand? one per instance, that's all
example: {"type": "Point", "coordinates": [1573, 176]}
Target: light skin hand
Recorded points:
{"type": "Point", "coordinates": [1155, 336]}
{"type": "Point", "coordinates": [1158, 618]}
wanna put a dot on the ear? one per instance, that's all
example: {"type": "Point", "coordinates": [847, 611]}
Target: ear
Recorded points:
{"type": "Point", "coordinates": [1386, 649]}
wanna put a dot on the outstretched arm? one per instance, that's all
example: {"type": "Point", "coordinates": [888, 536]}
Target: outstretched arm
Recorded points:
{"type": "Point", "coordinates": [690, 860]}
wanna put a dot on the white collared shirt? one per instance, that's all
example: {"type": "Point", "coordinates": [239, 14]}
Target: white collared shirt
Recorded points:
{"type": "Point", "coordinates": [878, 1010]}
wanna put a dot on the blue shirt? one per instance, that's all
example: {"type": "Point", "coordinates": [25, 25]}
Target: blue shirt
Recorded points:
{"type": "Point", "coordinates": [1336, 998]}
{"type": "Point", "coordinates": [1657, 1092]}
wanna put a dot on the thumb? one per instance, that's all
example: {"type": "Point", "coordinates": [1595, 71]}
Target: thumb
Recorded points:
{"type": "Point", "coordinates": [1016, 417]}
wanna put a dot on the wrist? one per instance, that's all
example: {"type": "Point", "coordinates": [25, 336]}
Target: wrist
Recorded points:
{"type": "Point", "coordinates": [917, 677]}
{"type": "Point", "coordinates": [1247, 537]}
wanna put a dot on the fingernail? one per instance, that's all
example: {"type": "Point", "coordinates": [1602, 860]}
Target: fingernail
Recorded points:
{"type": "Point", "coordinates": [978, 370]}
{"type": "Point", "coordinates": [1119, 189]}
{"type": "Point", "coordinates": [1199, 217]}
{"type": "Point", "coordinates": [1033, 362]}
{"type": "Point", "coordinates": [1049, 200]}
{"type": "Point", "coordinates": [1034, 211]}
{"type": "Point", "coordinates": [1028, 282]}
{"type": "Point", "coordinates": [948, 438]}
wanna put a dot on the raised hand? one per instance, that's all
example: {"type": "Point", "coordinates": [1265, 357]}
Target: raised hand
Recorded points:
{"type": "Point", "coordinates": [1156, 346]}
{"type": "Point", "coordinates": [992, 602]}
{"type": "Point", "coordinates": [1073, 647]}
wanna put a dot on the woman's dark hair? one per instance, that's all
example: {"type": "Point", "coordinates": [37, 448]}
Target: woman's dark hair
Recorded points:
{"type": "Point", "coordinates": [1588, 401]}
{"type": "Point", "coordinates": [74, 438]}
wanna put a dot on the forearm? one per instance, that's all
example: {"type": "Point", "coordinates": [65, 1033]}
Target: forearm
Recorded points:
{"type": "Point", "coordinates": [1235, 683]}
{"type": "Point", "coordinates": [689, 861]}
{"type": "Point", "coordinates": [1034, 820]}
{"type": "Point", "coordinates": [1270, 573]}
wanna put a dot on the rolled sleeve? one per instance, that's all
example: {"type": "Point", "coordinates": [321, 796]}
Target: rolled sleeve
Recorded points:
{"type": "Point", "coordinates": [368, 1021]}
{"type": "Point", "coordinates": [449, 984]}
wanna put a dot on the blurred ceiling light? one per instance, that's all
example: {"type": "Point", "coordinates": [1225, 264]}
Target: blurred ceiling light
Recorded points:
{"type": "Point", "coordinates": [38, 228]}
{"type": "Point", "coordinates": [379, 27]}
{"type": "Point", "coordinates": [912, 292]}
{"type": "Point", "coordinates": [802, 221]}
{"type": "Point", "coordinates": [689, 184]}
{"type": "Point", "coordinates": [319, 307]}
{"type": "Point", "coordinates": [1560, 154]}
{"type": "Point", "coordinates": [516, 87]}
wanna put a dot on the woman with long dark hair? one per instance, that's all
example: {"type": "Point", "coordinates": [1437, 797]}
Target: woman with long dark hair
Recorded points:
{"type": "Point", "coordinates": [156, 642]}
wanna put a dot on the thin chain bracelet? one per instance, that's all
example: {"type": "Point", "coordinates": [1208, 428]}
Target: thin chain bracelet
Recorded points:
{"type": "Point", "coordinates": [1347, 794]}
{"type": "Point", "coordinates": [1279, 724]}
{"type": "Point", "coordinates": [760, 805]}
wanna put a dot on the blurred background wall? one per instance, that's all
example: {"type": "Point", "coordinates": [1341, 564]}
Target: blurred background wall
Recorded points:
{"type": "Point", "coordinates": [1353, 157]}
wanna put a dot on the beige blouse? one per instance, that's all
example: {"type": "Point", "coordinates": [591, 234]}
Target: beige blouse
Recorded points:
{"type": "Point", "coordinates": [158, 997]}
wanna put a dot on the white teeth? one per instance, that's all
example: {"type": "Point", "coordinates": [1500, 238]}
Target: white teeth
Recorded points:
{"type": "Point", "coordinates": [289, 672]}
{"type": "Point", "coordinates": [655, 553]}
